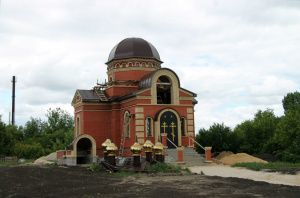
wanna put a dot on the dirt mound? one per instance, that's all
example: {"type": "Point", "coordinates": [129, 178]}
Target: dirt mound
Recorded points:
{"type": "Point", "coordinates": [224, 154]}
{"type": "Point", "coordinates": [42, 161]}
{"type": "Point", "coordinates": [240, 158]}
{"type": "Point", "coordinates": [45, 159]}
{"type": "Point", "coordinates": [51, 156]}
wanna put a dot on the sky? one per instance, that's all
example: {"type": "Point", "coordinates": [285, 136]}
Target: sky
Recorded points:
{"type": "Point", "coordinates": [238, 56]}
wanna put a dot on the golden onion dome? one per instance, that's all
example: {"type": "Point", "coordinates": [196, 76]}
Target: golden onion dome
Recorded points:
{"type": "Point", "coordinates": [158, 148]}
{"type": "Point", "coordinates": [106, 143]}
{"type": "Point", "coordinates": [148, 145]}
{"type": "Point", "coordinates": [136, 149]}
{"type": "Point", "coordinates": [111, 149]}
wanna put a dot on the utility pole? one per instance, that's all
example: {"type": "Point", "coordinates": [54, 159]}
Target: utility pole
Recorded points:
{"type": "Point", "coordinates": [13, 100]}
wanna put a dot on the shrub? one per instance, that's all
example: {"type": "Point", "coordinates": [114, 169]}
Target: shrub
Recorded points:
{"type": "Point", "coordinates": [96, 167]}
{"type": "Point", "coordinates": [167, 168]}
{"type": "Point", "coordinates": [29, 151]}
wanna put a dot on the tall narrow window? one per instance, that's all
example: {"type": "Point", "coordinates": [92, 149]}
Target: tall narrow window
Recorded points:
{"type": "Point", "coordinates": [78, 126]}
{"type": "Point", "coordinates": [149, 126]}
{"type": "Point", "coordinates": [127, 124]}
{"type": "Point", "coordinates": [183, 132]}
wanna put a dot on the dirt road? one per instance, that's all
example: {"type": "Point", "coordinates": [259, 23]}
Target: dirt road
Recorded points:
{"type": "Point", "coordinates": [270, 177]}
{"type": "Point", "coordinates": [41, 181]}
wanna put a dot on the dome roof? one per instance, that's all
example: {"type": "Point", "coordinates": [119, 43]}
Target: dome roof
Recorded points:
{"type": "Point", "coordinates": [133, 48]}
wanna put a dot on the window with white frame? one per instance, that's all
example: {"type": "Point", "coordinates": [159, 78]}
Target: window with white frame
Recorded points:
{"type": "Point", "coordinates": [78, 126]}
{"type": "Point", "coordinates": [127, 124]}
{"type": "Point", "coordinates": [183, 126]}
{"type": "Point", "coordinates": [149, 126]}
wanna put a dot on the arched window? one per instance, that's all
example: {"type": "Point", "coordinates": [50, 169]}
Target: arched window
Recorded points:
{"type": "Point", "coordinates": [183, 126]}
{"type": "Point", "coordinates": [127, 124]}
{"type": "Point", "coordinates": [78, 126]}
{"type": "Point", "coordinates": [163, 87]}
{"type": "Point", "coordinates": [149, 127]}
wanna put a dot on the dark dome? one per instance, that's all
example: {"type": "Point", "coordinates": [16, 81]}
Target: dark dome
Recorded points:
{"type": "Point", "coordinates": [133, 48]}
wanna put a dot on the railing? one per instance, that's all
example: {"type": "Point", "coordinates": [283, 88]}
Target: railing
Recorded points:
{"type": "Point", "coordinates": [197, 143]}
{"type": "Point", "coordinates": [172, 142]}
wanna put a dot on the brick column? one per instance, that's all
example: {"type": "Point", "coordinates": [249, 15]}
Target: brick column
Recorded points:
{"type": "Point", "coordinates": [164, 139]}
{"type": "Point", "coordinates": [180, 155]}
{"type": "Point", "coordinates": [208, 154]}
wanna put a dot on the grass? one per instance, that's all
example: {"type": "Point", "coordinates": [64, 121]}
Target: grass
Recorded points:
{"type": "Point", "coordinates": [50, 165]}
{"type": "Point", "coordinates": [259, 166]}
{"type": "Point", "coordinates": [124, 173]}
{"type": "Point", "coordinates": [167, 168]}
{"type": "Point", "coordinates": [4, 163]}
{"type": "Point", "coordinates": [96, 167]}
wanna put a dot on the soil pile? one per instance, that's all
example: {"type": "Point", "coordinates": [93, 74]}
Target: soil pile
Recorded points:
{"type": "Point", "coordinates": [224, 154]}
{"type": "Point", "coordinates": [240, 158]}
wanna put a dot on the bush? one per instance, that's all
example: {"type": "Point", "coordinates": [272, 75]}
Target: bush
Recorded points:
{"type": "Point", "coordinates": [29, 151]}
{"type": "Point", "coordinates": [167, 168]}
{"type": "Point", "coordinates": [96, 167]}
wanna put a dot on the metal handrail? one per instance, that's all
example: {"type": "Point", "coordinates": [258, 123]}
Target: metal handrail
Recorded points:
{"type": "Point", "coordinates": [197, 143]}
{"type": "Point", "coordinates": [172, 142]}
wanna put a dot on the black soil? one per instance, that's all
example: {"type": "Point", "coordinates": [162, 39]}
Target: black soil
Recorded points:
{"type": "Point", "coordinates": [41, 181]}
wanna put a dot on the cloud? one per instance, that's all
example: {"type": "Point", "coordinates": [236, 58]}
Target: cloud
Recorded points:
{"type": "Point", "coordinates": [238, 56]}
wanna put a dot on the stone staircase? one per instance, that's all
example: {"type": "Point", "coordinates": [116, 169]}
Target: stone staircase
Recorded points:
{"type": "Point", "coordinates": [190, 157]}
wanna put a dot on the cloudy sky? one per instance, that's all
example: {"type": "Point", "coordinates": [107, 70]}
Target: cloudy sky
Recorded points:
{"type": "Point", "coordinates": [238, 56]}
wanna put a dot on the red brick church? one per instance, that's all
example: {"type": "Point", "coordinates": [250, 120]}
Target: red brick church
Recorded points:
{"type": "Point", "coordinates": [140, 99]}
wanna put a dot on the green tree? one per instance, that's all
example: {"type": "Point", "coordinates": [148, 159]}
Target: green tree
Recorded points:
{"type": "Point", "coordinates": [58, 131]}
{"type": "Point", "coordinates": [28, 151]}
{"type": "Point", "coordinates": [246, 133]}
{"type": "Point", "coordinates": [34, 128]}
{"type": "Point", "coordinates": [5, 139]}
{"type": "Point", "coordinates": [286, 141]}
{"type": "Point", "coordinates": [254, 134]}
{"type": "Point", "coordinates": [216, 136]}
{"type": "Point", "coordinates": [9, 136]}
{"type": "Point", "coordinates": [291, 102]}
{"type": "Point", "coordinates": [58, 119]}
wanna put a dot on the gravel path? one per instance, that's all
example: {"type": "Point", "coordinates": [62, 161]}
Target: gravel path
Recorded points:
{"type": "Point", "coordinates": [224, 171]}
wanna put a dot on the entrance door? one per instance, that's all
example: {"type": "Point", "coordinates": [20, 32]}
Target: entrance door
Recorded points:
{"type": "Point", "coordinates": [168, 124]}
{"type": "Point", "coordinates": [84, 148]}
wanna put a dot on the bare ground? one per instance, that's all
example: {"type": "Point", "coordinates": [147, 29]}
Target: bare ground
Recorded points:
{"type": "Point", "coordinates": [54, 181]}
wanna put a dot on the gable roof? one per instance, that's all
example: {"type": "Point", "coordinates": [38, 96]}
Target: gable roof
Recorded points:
{"type": "Point", "coordinates": [88, 96]}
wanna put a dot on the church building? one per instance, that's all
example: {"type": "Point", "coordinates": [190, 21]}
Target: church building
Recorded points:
{"type": "Point", "coordinates": [140, 99]}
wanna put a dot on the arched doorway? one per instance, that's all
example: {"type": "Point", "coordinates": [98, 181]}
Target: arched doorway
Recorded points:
{"type": "Point", "coordinates": [169, 125]}
{"type": "Point", "coordinates": [163, 85]}
{"type": "Point", "coordinates": [84, 151]}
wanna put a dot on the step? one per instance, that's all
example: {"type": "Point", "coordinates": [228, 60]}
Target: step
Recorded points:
{"type": "Point", "coordinates": [190, 157]}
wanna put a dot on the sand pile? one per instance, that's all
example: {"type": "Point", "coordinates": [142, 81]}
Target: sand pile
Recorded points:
{"type": "Point", "coordinates": [42, 161]}
{"type": "Point", "coordinates": [51, 156]}
{"type": "Point", "coordinates": [240, 158]}
{"type": "Point", "coordinates": [224, 154]}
